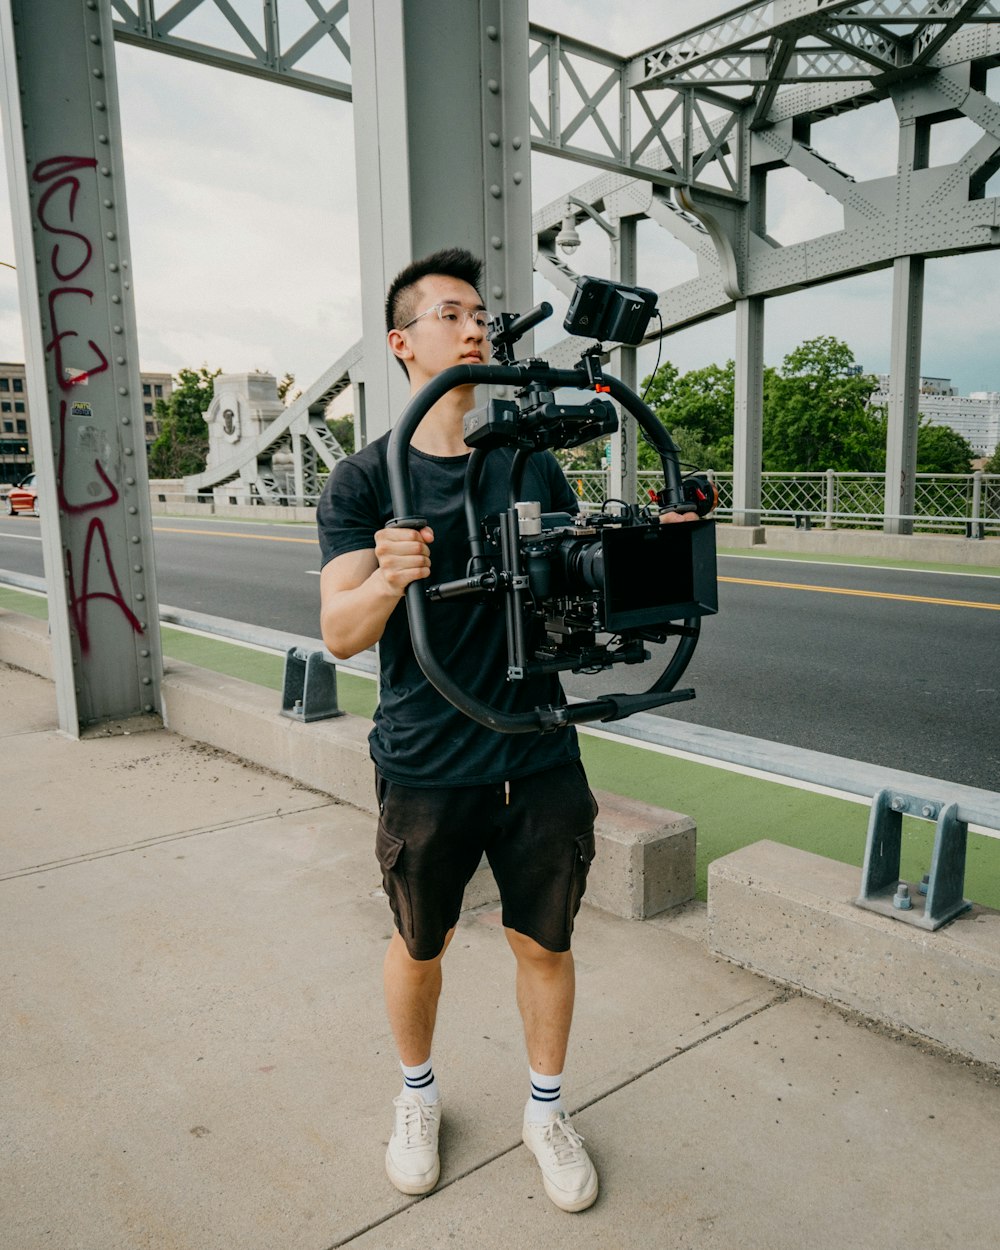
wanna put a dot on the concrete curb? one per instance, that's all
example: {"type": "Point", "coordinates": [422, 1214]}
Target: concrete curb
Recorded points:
{"type": "Point", "coordinates": [929, 548]}
{"type": "Point", "coordinates": [789, 914]}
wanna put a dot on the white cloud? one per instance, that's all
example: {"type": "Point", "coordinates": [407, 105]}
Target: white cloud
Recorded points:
{"type": "Point", "coordinates": [243, 219]}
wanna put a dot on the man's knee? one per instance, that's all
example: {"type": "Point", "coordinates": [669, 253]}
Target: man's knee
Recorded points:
{"type": "Point", "coordinates": [413, 965]}
{"type": "Point", "coordinates": [532, 953]}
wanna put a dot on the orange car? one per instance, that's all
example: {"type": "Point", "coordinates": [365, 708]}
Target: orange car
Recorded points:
{"type": "Point", "coordinates": [23, 497]}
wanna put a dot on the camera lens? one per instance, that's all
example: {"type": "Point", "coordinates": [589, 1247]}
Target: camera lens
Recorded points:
{"type": "Point", "coordinates": [585, 564]}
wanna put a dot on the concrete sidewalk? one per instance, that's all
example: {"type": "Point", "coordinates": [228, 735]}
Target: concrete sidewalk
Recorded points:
{"type": "Point", "coordinates": [194, 1051]}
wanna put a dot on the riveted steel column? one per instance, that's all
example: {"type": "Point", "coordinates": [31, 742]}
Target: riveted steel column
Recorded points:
{"type": "Point", "coordinates": [748, 410]}
{"type": "Point", "coordinates": [623, 484]}
{"type": "Point", "coordinates": [509, 240]}
{"type": "Point", "coordinates": [748, 387]}
{"type": "Point", "coordinates": [904, 394]}
{"type": "Point", "coordinates": [443, 156]}
{"type": "Point", "coordinates": [63, 145]}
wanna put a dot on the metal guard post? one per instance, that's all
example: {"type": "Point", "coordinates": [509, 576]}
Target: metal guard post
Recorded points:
{"type": "Point", "coordinates": [309, 686]}
{"type": "Point", "coordinates": [881, 888]}
{"type": "Point", "coordinates": [540, 719]}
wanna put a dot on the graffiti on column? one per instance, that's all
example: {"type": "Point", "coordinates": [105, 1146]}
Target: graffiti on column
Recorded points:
{"type": "Point", "coordinates": [72, 253]}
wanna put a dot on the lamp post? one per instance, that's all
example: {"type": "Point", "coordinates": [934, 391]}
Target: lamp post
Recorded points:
{"type": "Point", "coordinates": [567, 240]}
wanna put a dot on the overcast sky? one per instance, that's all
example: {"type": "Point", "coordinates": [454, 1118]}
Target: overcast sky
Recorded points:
{"type": "Point", "coordinates": [244, 228]}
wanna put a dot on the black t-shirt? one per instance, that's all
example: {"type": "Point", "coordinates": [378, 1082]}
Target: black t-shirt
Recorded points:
{"type": "Point", "coordinates": [419, 738]}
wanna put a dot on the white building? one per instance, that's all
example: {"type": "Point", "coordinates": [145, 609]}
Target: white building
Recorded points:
{"type": "Point", "coordinates": [976, 417]}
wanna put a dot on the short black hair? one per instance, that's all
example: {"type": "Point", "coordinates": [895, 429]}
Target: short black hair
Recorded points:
{"type": "Point", "coordinates": [451, 262]}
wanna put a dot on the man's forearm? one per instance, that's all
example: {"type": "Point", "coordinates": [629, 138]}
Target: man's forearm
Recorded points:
{"type": "Point", "coordinates": [355, 619]}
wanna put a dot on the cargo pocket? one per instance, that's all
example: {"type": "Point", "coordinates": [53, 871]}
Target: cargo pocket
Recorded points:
{"type": "Point", "coordinates": [389, 852]}
{"type": "Point", "coordinates": [594, 809]}
{"type": "Point", "coordinates": [584, 851]}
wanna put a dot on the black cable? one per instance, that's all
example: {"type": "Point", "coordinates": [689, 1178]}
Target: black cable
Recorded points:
{"type": "Point", "coordinates": [659, 352]}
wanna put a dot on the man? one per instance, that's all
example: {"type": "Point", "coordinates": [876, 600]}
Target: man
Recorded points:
{"type": "Point", "coordinates": [449, 789]}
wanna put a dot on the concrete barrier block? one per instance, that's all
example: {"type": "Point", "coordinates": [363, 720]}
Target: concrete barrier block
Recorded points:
{"type": "Point", "coordinates": [238, 716]}
{"type": "Point", "coordinates": [936, 548]}
{"type": "Point", "coordinates": [740, 536]}
{"type": "Point", "coordinates": [790, 915]}
{"type": "Point", "coordinates": [330, 756]}
{"type": "Point", "coordinates": [645, 860]}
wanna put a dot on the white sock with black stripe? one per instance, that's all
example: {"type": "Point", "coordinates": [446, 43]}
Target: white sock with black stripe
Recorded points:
{"type": "Point", "coordinates": [546, 1097]}
{"type": "Point", "coordinates": [421, 1080]}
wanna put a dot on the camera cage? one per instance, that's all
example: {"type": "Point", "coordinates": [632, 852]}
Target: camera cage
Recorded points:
{"type": "Point", "coordinates": [535, 424]}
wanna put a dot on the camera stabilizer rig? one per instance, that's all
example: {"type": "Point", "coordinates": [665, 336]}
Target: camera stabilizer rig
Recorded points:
{"type": "Point", "coordinates": [589, 591]}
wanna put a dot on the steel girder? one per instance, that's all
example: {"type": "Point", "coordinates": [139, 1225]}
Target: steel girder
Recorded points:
{"type": "Point", "coordinates": [812, 61]}
{"type": "Point", "coordinates": [704, 110]}
{"type": "Point", "coordinates": [710, 112]}
{"type": "Point", "coordinates": [675, 114]}
{"type": "Point", "coordinates": [223, 33]}
{"type": "Point", "coordinates": [842, 36]}
{"type": "Point", "coordinates": [917, 211]}
{"type": "Point", "coordinates": [603, 122]}
{"type": "Point", "coordinates": [64, 161]}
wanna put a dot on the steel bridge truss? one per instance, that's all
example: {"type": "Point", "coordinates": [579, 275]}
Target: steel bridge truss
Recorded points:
{"type": "Point", "coordinates": [677, 113]}
{"type": "Point", "coordinates": [685, 134]}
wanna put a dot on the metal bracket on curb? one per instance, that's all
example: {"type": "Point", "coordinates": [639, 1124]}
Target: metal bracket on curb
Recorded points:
{"type": "Point", "coordinates": [309, 687]}
{"type": "Point", "coordinates": [881, 888]}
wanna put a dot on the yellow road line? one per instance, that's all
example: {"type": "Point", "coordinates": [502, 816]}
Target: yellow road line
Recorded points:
{"type": "Point", "coordinates": [267, 538]}
{"type": "Point", "coordinates": [864, 594]}
{"type": "Point", "coordinates": [740, 581]}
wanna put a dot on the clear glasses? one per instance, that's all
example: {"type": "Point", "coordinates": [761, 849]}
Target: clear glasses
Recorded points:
{"type": "Point", "coordinates": [454, 315]}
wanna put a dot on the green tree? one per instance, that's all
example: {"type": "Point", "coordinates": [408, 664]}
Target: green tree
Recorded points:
{"type": "Point", "coordinates": [697, 409]}
{"type": "Point", "coordinates": [586, 456]}
{"type": "Point", "coordinates": [342, 429]}
{"type": "Point", "coordinates": [285, 386]}
{"type": "Point", "coordinates": [816, 413]}
{"type": "Point", "coordinates": [993, 464]}
{"type": "Point", "coordinates": [817, 416]}
{"type": "Point", "coordinates": [941, 450]}
{"type": "Point", "coordinates": [181, 447]}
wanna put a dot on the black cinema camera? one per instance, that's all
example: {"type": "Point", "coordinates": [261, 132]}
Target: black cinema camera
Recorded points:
{"type": "Point", "coordinates": [580, 593]}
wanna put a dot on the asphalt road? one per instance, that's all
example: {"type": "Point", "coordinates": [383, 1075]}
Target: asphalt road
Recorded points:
{"type": "Point", "coordinates": [897, 667]}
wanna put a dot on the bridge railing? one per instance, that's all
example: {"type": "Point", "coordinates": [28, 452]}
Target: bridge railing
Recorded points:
{"type": "Point", "coordinates": [945, 502]}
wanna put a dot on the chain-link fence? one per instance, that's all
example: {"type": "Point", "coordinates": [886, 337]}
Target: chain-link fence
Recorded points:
{"type": "Point", "coordinates": [966, 503]}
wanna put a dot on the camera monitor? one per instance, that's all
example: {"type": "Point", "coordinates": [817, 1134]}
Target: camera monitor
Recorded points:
{"type": "Point", "coordinates": [657, 574]}
{"type": "Point", "coordinates": [609, 312]}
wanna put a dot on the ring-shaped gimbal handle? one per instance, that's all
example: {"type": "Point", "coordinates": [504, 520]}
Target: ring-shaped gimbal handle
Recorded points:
{"type": "Point", "coordinates": [608, 707]}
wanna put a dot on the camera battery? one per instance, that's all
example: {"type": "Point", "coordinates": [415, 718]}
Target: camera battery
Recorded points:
{"type": "Point", "coordinates": [492, 426]}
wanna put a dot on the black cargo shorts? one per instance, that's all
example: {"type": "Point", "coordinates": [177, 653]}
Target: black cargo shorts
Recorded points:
{"type": "Point", "coordinates": [537, 833]}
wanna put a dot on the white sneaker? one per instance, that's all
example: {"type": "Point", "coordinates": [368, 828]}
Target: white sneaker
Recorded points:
{"type": "Point", "coordinates": [569, 1176]}
{"type": "Point", "coordinates": [411, 1161]}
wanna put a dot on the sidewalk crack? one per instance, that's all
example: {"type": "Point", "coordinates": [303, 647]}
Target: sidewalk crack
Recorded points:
{"type": "Point", "coordinates": [178, 836]}
{"type": "Point", "coordinates": [781, 996]}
